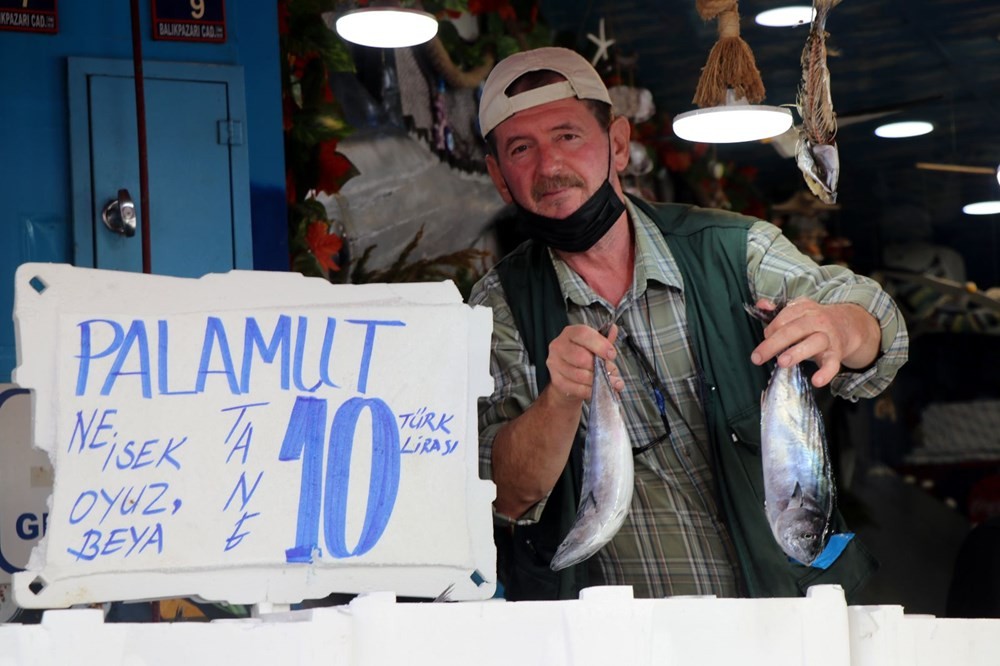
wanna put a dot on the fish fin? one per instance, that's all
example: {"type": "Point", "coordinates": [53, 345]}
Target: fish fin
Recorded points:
{"type": "Point", "coordinates": [445, 595]}
{"type": "Point", "coordinates": [797, 494]}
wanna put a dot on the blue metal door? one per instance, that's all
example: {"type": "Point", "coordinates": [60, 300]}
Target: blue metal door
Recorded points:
{"type": "Point", "coordinates": [197, 159]}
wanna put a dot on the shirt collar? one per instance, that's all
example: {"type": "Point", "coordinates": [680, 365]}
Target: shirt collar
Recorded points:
{"type": "Point", "coordinates": [653, 262]}
{"type": "Point", "coordinates": [653, 259]}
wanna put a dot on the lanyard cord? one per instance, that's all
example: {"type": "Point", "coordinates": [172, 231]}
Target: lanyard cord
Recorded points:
{"type": "Point", "coordinates": [654, 384]}
{"type": "Point", "coordinates": [660, 394]}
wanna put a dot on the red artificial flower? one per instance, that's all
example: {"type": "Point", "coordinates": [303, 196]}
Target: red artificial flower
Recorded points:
{"type": "Point", "coordinates": [288, 110]}
{"type": "Point", "coordinates": [333, 167]}
{"type": "Point", "coordinates": [501, 7]}
{"type": "Point", "coordinates": [295, 67]}
{"type": "Point", "coordinates": [323, 245]}
{"type": "Point", "coordinates": [756, 209]}
{"type": "Point", "coordinates": [283, 15]}
{"type": "Point", "coordinates": [676, 160]}
{"type": "Point", "coordinates": [291, 192]}
{"type": "Point", "coordinates": [645, 132]}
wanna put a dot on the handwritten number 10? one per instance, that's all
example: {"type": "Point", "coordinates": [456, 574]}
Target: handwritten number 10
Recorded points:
{"type": "Point", "coordinates": [304, 439]}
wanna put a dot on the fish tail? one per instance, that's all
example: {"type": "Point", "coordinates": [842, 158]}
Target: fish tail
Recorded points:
{"type": "Point", "coordinates": [765, 316]}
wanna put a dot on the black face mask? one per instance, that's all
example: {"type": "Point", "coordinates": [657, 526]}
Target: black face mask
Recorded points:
{"type": "Point", "coordinates": [581, 230]}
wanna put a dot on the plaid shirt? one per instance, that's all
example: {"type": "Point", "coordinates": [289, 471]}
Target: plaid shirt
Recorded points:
{"type": "Point", "coordinates": [673, 541]}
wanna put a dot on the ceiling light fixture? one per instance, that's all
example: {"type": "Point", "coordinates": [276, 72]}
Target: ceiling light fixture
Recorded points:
{"type": "Point", "coordinates": [786, 17]}
{"type": "Point", "coordinates": [733, 122]}
{"type": "Point", "coordinates": [998, 174]}
{"type": "Point", "coordinates": [387, 27]}
{"type": "Point", "coordinates": [729, 89]}
{"type": "Point", "coordinates": [903, 130]}
{"type": "Point", "coordinates": [982, 208]}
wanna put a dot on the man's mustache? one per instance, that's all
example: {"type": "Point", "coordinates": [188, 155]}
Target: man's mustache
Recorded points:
{"type": "Point", "coordinates": [547, 184]}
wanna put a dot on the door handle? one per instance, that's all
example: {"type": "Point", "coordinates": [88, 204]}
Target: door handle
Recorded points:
{"type": "Point", "coordinates": [119, 214]}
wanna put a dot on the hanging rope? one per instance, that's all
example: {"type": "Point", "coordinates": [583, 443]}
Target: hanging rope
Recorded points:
{"type": "Point", "coordinates": [731, 63]}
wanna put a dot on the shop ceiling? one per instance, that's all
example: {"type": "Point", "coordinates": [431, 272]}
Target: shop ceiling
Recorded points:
{"type": "Point", "coordinates": [934, 60]}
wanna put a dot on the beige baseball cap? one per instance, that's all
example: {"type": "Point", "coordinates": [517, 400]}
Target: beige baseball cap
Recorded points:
{"type": "Point", "coordinates": [582, 81]}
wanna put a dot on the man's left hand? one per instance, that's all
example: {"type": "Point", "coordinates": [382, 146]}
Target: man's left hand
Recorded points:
{"type": "Point", "coordinates": [831, 335]}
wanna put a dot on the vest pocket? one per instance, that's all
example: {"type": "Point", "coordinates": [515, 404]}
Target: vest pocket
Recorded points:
{"type": "Point", "coordinates": [745, 428]}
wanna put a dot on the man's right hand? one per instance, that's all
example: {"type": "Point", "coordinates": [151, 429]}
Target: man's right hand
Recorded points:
{"type": "Point", "coordinates": [571, 360]}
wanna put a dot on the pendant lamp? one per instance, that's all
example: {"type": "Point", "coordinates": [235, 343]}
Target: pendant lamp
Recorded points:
{"type": "Point", "coordinates": [730, 88]}
{"type": "Point", "coordinates": [386, 25]}
{"type": "Point", "coordinates": [734, 121]}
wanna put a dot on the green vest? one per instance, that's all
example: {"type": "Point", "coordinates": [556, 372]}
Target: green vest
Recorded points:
{"type": "Point", "coordinates": [709, 247]}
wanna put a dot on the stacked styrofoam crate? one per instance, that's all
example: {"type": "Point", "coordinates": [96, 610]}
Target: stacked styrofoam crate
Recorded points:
{"type": "Point", "coordinates": [606, 626]}
{"type": "Point", "coordinates": [884, 636]}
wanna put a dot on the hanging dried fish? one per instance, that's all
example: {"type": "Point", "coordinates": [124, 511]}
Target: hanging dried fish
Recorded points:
{"type": "Point", "coordinates": [816, 153]}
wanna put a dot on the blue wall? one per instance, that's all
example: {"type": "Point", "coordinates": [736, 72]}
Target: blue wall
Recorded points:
{"type": "Point", "coordinates": [35, 187]}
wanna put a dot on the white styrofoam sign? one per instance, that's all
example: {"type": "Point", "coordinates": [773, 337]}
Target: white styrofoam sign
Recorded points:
{"type": "Point", "coordinates": [25, 485]}
{"type": "Point", "coordinates": [254, 437]}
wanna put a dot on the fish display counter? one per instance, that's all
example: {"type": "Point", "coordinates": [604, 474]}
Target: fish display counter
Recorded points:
{"type": "Point", "coordinates": [605, 626]}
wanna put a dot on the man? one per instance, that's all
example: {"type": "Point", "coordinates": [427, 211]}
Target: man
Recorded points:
{"type": "Point", "coordinates": [691, 406]}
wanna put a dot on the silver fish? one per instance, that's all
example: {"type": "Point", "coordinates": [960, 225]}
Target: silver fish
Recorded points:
{"type": "Point", "coordinates": [798, 482]}
{"type": "Point", "coordinates": [608, 476]}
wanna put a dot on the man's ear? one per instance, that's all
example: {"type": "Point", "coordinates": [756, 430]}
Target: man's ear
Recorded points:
{"type": "Point", "coordinates": [493, 167]}
{"type": "Point", "coordinates": [620, 133]}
